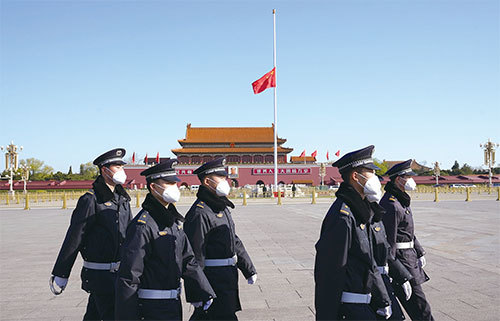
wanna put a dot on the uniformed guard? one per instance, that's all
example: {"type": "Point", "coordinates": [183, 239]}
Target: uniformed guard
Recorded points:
{"type": "Point", "coordinates": [217, 248]}
{"type": "Point", "coordinates": [391, 269]}
{"type": "Point", "coordinates": [345, 272]}
{"type": "Point", "coordinates": [157, 254]}
{"type": "Point", "coordinates": [399, 226]}
{"type": "Point", "coordinates": [97, 230]}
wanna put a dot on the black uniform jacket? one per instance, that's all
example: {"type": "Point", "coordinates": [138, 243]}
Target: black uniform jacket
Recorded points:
{"type": "Point", "coordinates": [398, 222]}
{"type": "Point", "coordinates": [382, 249]}
{"type": "Point", "coordinates": [97, 230]}
{"type": "Point", "coordinates": [155, 255]}
{"type": "Point", "coordinates": [211, 231]}
{"type": "Point", "coordinates": [344, 256]}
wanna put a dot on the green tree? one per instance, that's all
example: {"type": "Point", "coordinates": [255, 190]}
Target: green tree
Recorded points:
{"type": "Point", "coordinates": [59, 176]}
{"type": "Point", "coordinates": [88, 171]}
{"type": "Point", "coordinates": [455, 169]}
{"type": "Point", "coordinates": [466, 170]}
{"type": "Point", "coordinates": [382, 165]}
{"type": "Point", "coordinates": [70, 172]}
{"type": "Point", "coordinates": [38, 170]}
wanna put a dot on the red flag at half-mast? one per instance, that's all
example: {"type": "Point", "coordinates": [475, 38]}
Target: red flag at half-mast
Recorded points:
{"type": "Point", "coordinates": [133, 158]}
{"type": "Point", "coordinates": [158, 158]}
{"type": "Point", "coordinates": [327, 158]}
{"type": "Point", "coordinates": [266, 81]}
{"type": "Point", "coordinates": [146, 159]}
{"type": "Point", "coordinates": [314, 154]}
{"type": "Point", "coordinates": [337, 153]}
{"type": "Point", "coordinates": [303, 154]}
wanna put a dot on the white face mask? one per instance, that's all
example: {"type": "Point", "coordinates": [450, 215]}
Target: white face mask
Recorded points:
{"type": "Point", "coordinates": [222, 188]}
{"type": "Point", "coordinates": [372, 188]}
{"type": "Point", "coordinates": [410, 185]}
{"type": "Point", "coordinates": [118, 177]}
{"type": "Point", "coordinates": [171, 194]}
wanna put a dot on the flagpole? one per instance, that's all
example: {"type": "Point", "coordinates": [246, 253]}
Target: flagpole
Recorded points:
{"type": "Point", "coordinates": [275, 107]}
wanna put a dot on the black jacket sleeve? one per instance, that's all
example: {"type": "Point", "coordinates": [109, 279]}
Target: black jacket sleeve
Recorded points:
{"type": "Point", "coordinates": [196, 229]}
{"type": "Point", "coordinates": [80, 219]}
{"type": "Point", "coordinates": [244, 262]}
{"type": "Point", "coordinates": [391, 222]}
{"type": "Point", "coordinates": [134, 251]}
{"type": "Point", "coordinates": [418, 248]}
{"type": "Point", "coordinates": [330, 266]}
{"type": "Point", "coordinates": [194, 278]}
{"type": "Point", "coordinates": [398, 272]}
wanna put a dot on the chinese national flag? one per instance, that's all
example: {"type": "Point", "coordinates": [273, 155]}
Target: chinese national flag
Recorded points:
{"type": "Point", "coordinates": [133, 158]}
{"type": "Point", "coordinates": [267, 81]}
{"type": "Point", "coordinates": [146, 159]}
{"type": "Point", "coordinates": [303, 154]}
{"type": "Point", "coordinates": [314, 153]}
{"type": "Point", "coordinates": [337, 153]}
{"type": "Point", "coordinates": [327, 158]}
{"type": "Point", "coordinates": [158, 158]}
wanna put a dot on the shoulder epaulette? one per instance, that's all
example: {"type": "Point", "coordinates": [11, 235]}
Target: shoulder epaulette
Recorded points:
{"type": "Point", "coordinates": [344, 209]}
{"type": "Point", "coordinates": [392, 199]}
{"type": "Point", "coordinates": [142, 219]}
{"type": "Point", "coordinates": [91, 192]}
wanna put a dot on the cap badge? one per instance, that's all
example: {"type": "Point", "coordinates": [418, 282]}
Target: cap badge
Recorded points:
{"type": "Point", "coordinates": [118, 153]}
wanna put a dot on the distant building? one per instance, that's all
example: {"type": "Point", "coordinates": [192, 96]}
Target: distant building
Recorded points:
{"type": "Point", "coordinates": [240, 145]}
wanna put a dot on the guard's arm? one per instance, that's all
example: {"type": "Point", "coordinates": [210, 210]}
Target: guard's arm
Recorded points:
{"type": "Point", "coordinates": [80, 220]}
{"type": "Point", "coordinates": [134, 250]}
{"type": "Point", "coordinates": [197, 287]}
{"type": "Point", "coordinates": [330, 266]}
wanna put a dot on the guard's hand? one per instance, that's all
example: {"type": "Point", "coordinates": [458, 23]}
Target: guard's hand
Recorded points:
{"type": "Point", "coordinates": [60, 283]}
{"type": "Point", "coordinates": [208, 304]}
{"type": "Point", "coordinates": [385, 312]}
{"type": "Point", "coordinates": [422, 262]}
{"type": "Point", "coordinates": [407, 289]}
{"type": "Point", "coordinates": [252, 279]}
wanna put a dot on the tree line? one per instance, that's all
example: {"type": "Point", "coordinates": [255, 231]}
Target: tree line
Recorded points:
{"type": "Point", "coordinates": [39, 171]}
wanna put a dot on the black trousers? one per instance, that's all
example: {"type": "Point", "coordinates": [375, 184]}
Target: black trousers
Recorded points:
{"type": "Point", "coordinates": [417, 306]}
{"type": "Point", "coordinates": [100, 307]}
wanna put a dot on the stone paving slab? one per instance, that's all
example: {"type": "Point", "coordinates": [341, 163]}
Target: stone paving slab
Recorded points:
{"type": "Point", "coordinates": [462, 240]}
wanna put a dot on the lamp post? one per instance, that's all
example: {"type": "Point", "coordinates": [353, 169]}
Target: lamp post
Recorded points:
{"type": "Point", "coordinates": [437, 172]}
{"type": "Point", "coordinates": [25, 175]}
{"type": "Point", "coordinates": [322, 173]}
{"type": "Point", "coordinates": [11, 162]}
{"type": "Point", "coordinates": [489, 156]}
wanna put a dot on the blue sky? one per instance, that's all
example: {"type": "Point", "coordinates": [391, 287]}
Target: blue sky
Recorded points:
{"type": "Point", "coordinates": [417, 79]}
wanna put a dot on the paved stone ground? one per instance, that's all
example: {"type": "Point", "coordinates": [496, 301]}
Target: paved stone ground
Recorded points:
{"type": "Point", "coordinates": [462, 240]}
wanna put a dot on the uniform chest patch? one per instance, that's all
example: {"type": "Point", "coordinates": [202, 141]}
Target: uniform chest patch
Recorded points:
{"type": "Point", "coordinates": [220, 215]}
{"type": "Point", "coordinates": [162, 233]}
{"type": "Point", "coordinates": [362, 226]}
{"type": "Point", "coordinates": [377, 228]}
{"type": "Point", "coordinates": [407, 212]}
{"type": "Point", "coordinates": [108, 203]}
